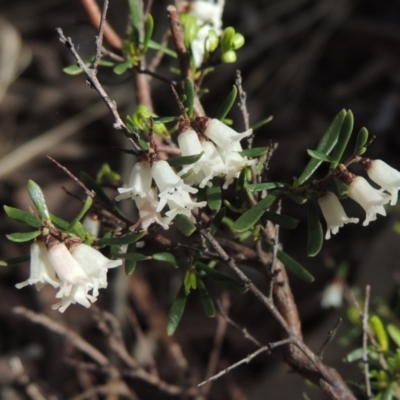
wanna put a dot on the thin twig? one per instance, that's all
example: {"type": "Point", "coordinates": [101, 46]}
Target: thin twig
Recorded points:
{"type": "Point", "coordinates": [99, 37]}
{"type": "Point", "coordinates": [243, 105]}
{"type": "Point", "coordinates": [247, 359]}
{"type": "Point", "coordinates": [329, 338]}
{"type": "Point", "coordinates": [365, 341]}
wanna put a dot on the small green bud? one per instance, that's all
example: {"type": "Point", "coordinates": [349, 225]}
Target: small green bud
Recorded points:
{"type": "Point", "coordinates": [229, 57]}
{"type": "Point", "coordinates": [212, 41]}
{"type": "Point", "coordinates": [237, 41]}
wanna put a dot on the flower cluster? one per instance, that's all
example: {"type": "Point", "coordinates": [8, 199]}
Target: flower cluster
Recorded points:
{"type": "Point", "coordinates": [209, 16]}
{"type": "Point", "coordinates": [75, 271]}
{"type": "Point", "coordinates": [370, 199]}
{"type": "Point", "coordinates": [221, 157]}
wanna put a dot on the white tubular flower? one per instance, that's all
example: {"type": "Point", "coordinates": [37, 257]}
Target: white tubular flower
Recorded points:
{"type": "Point", "coordinates": [148, 214]}
{"type": "Point", "coordinates": [173, 191]}
{"type": "Point", "coordinates": [386, 177]}
{"type": "Point", "coordinates": [333, 213]}
{"type": "Point", "coordinates": [41, 269]}
{"type": "Point", "coordinates": [209, 165]}
{"type": "Point", "coordinates": [94, 264]}
{"type": "Point", "coordinates": [208, 12]}
{"type": "Point", "coordinates": [139, 183]}
{"type": "Point", "coordinates": [224, 136]}
{"type": "Point", "coordinates": [332, 296]}
{"type": "Point", "coordinates": [370, 199]}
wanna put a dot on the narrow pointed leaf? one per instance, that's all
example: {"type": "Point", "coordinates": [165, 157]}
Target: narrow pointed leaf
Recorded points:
{"type": "Point", "coordinates": [258, 187]}
{"type": "Point", "coordinates": [342, 188]}
{"type": "Point", "coordinates": [326, 145]}
{"type": "Point", "coordinates": [262, 123]}
{"type": "Point", "coordinates": [378, 328]}
{"type": "Point", "coordinates": [219, 216]}
{"type": "Point", "coordinates": [130, 265]}
{"type": "Point", "coordinates": [20, 237]}
{"type": "Point", "coordinates": [88, 203]}
{"type": "Point", "coordinates": [355, 355]}
{"type": "Point", "coordinates": [317, 155]}
{"type": "Point", "coordinates": [362, 139]}
{"type": "Point", "coordinates": [206, 299]}
{"type": "Point", "coordinates": [344, 136]}
{"type": "Point", "coordinates": [184, 225]}
{"type": "Point", "coordinates": [135, 11]}
{"type": "Point", "coordinates": [186, 160]}
{"type": "Point", "coordinates": [227, 104]}
{"type": "Point", "coordinates": [222, 278]}
{"type": "Point", "coordinates": [125, 239]}
{"type": "Point", "coordinates": [214, 196]}
{"type": "Point", "coordinates": [63, 225]}
{"type": "Point", "coordinates": [22, 216]}
{"type": "Point", "coordinates": [134, 256]}
{"type": "Point", "coordinates": [388, 393]}
{"type": "Point", "coordinates": [254, 152]}
{"type": "Point", "coordinates": [240, 182]}
{"type": "Point", "coordinates": [251, 217]}
{"type": "Point", "coordinates": [282, 220]}
{"type": "Point", "coordinates": [36, 194]}
{"type": "Point", "coordinates": [315, 232]}
{"type": "Point", "coordinates": [73, 70]}
{"type": "Point", "coordinates": [157, 46]}
{"type": "Point", "coordinates": [176, 311]}
{"type": "Point", "coordinates": [92, 185]}
{"type": "Point", "coordinates": [15, 260]}
{"type": "Point", "coordinates": [190, 95]}
{"type": "Point", "coordinates": [148, 32]}
{"type": "Point", "coordinates": [291, 264]}
{"type": "Point", "coordinates": [165, 257]}
{"type": "Point", "coordinates": [394, 333]}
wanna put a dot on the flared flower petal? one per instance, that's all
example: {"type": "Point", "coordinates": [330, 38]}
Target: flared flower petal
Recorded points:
{"type": "Point", "coordinates": [386, 177]}
{"type": "Point", "coordinates": [370, 199]}
{"type": "Point", "coordinates": [173, 191]}
{"type": "Point", "coordinates": [334, 214]}
{"type": "Point", "coordinates": [148, 213]}
{"type": "Point", "coordinates": [41, 269]}
{"type": "Point", "coordinates": [77, 294]}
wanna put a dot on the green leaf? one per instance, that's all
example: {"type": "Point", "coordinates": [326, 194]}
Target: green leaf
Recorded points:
{"type": "Point", "coordinates": [20, 237]}
{"type": "Point", "coordinates": [388, 393]}
{"type": "Point", "coordinates": [283, 220]}
{"type": "Point", "coordinates": [317, 155]}
{"type": "Point", "coordinates": [166, 257]}
{"type": "Point", "coordinates": [88, 203]}
{"type": "Point", "coordinates": [262, 123]}
{"type": "Point", "coordinates": [120, 69]}
{"type": "Point", "coordinates": [206, 299]}
{"type": "Point", "coordinates": [15, 260]}
{"type": "Point", "coordinates": [125, 239]}
{"type": "Point", "coordinates": [394, 333]}
{"type": "Point", "coordinates": [344, 136]}
{"type": "Point", "coordinates": [214, 195]}
{"type": "Point", "coordinates": [36, 194]}
{"type": "Point", "coordinates": [176, 312]}
{"type": "Point", "coordinates": [184, 225]}
{"type": "Point", "coordinates": [130, 265]}
{"type": "Point", "coordinates": [216, 222]}
{"type": "Point", "coordinates": [254, 152]}
{"type": "Point", "coordinates": [134, 256]}
{"type": "Point", "coordinates": [222, 279]}
{"type": "Point", "coordinates": [355, 355]}
{"type": "Point", "coordinates": [164, 120]}
{"type": "Point", "coordinates": [227, 104]}
{"type": "Point", "coordinates": [362, 139]}
{"type": "Point", "coordinates": [315, 233]}
{"type": "Point", "coordinates": [157, 46]}
{"type": "Point", "coordinates": [73, 70]}
{"type": "Point", "coordinates": [92, 185]}
{"type": "Point", "coordinates": [251, 217]}
{"type": "Point", "coordinates": [186, 160]}
{"type": "Point", "coordinates": [63, 225]}
{"type": "Point", "coordinates": [377, 327]}
{"type": "Point", "coordinates": [240, 182]}
{"type": "Point", "coordinates": [148, 32]}
{"type": "Point", "coordinates": [291, 264]}
{"type": "Point", "coordinates": [190, 96]}
{"type": "Point", "coordinates": [136, 16]}
{"type": "Point", "coordinates": [258, 187]}
{"type": "Point", "coordinates": [22, 216]}
{"type": "Point", "coordinates": [342, 188]}
{"type": "Point", "coordinates": [226, 39]}
{"type": "Point", "coordinates": [326, 145]}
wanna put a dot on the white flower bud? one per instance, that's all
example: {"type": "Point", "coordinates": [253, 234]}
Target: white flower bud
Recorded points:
{"type": "Point", "coordinates": [332, 295]}
{"type": "Point", "coordinates": [333, 213]}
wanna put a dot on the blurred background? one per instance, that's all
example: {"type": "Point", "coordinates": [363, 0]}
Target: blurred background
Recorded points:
{"type": "Point", "coordinates": [303, 61]}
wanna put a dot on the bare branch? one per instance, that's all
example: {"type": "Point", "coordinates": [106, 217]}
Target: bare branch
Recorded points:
{"type": "Point", "coordinates": [329, 338]}
{"type": "Point", "coordinates": [99, 37]}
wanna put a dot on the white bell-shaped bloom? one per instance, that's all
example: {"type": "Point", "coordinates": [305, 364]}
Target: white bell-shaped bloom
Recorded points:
{"type": "Point", "coordinates": [41, 269]}
{"type": "Point", "coordinates": [386, 177]}
{"type": "Point", "coordinates": [209, 165]}
{"type": "Point", "coordinates": [78, 294]}
{"type": "Point", "coordinates": [332, 296]}
{"type": "Point", "coordinates": [370, 199]}
{"type": "Point", "coordinates": [173, 191]}
{"type": "Point", "coordinates": [224, 136]}
{"type": "Point", "coordinates": [334, 214]}
{"type": "Point", "coordinates": [139, 183]}
{"type": "Point", "coordinates": [148, 211]}
{"type": "Point", "coordinates": [94, 264]}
